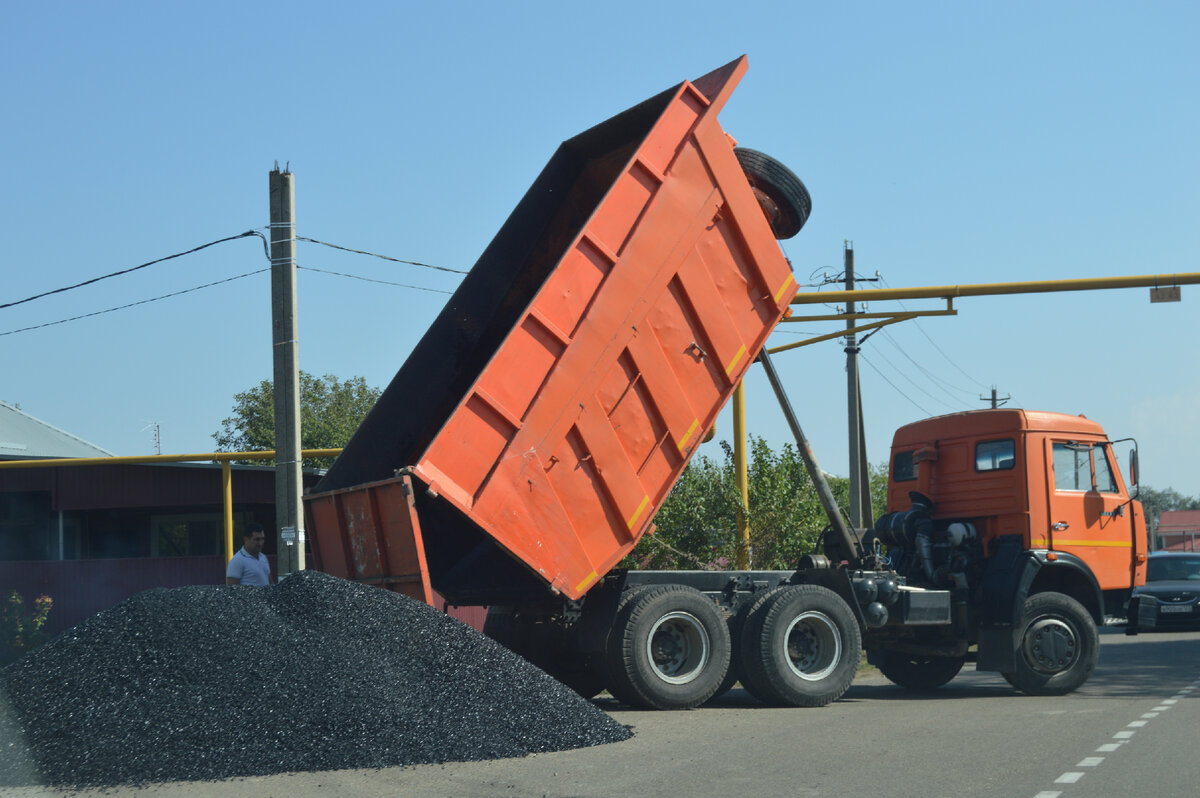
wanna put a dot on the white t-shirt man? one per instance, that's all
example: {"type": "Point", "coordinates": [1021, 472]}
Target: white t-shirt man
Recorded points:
{"type": "Point", "coordinates": [249, 566]}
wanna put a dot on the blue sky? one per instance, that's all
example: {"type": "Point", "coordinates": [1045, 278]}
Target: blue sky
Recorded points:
{"type": "Point", "coordinates": [951, 142]}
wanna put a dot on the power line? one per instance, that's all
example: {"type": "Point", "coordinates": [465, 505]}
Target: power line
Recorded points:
{"type": "Point", "coordinates": [372, 280]}
{"type": "Point", "coordinates": [934, 343]}
{"type": "Point", "coordinates": [935, 378]}
{"type": "Point", "coordinates": [896, 389]}
{"type": "Point", "coordinates": [133, 269]}
{"type": "Point", "coordinates": [916, 384]}
{"type": "Point", "coordinates": [266, 253]}
{"type": "Point", "coordinates": [141, 302]}
{"type": "Point", "coordinates": [382, 257]}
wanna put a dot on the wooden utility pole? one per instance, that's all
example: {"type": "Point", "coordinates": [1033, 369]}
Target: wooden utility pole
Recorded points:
{"type": "Point", "coordinates": [289, 512]}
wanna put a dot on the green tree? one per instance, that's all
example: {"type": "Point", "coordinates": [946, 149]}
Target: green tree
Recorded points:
{"type": "Point", "coordinates": [697, 524]}
{"type": "Point", "coordinates": [1155, 501]}
{"type": "Point", "coordinates": [330, 412]}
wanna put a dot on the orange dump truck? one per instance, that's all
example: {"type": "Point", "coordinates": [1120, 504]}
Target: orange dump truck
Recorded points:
{"type": "Point", "coordinates": [526, 443]}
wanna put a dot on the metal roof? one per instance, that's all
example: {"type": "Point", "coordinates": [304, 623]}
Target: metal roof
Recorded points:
{"type": "Point", "coordinates": [23, 437]}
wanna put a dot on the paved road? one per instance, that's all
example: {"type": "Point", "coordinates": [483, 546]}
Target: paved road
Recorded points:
{"type": "Point", "coordinates": [1129, 731]}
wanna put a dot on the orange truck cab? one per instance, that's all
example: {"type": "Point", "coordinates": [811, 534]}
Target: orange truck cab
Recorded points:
{"type": "Point", "coordinates": [1005, 508]}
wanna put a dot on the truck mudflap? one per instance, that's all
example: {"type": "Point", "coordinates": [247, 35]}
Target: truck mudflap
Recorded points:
{"type": "Point", "coordinates": [1013, 574]}
{"type": "Point", "coordinates": [555, 400]}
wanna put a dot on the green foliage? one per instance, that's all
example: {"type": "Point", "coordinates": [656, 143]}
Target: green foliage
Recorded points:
{"type": "Point", "coordinates": [1155, 501]}
{"type": "Point", "coordinates": [21, 629]}
{"type": "Point", "coordinates": [697, 525]}
{"type": "Point", "coordinates": [330, 412]}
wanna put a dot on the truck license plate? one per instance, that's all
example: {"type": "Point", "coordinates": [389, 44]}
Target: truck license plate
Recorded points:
{"type": "Point", "coordinates": [1175, 608]}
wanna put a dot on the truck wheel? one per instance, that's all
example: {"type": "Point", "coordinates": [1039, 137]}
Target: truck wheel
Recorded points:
{"type": "Point", "coordinates": [800, 647]}
{"type": "Point", "coordinates": [1057, 648]}
{"type": "Point", "coordinates": [546, 647]}
{"type": "Point", "coordinates": [499, 623]}
{"type": "Point", "coordinates": [581, 674]}
{"type": "Point", "coordinates": [783, 198]}
{"type": "Point", "coordinates": [669, 649]}
{"type": "Point", "coordinates": [740, 651]}
{"type": "Point", "coordinates": [919, 673]}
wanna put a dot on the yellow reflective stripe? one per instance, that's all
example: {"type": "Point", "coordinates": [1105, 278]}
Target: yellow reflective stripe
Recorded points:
{"type": "Point", "coordinates": [637, 514]}
{"type": "Point", "coordinates": [736, 358]}
{"type": "Point", "coordinates": [1118, 544]}
{"type": "Point", "coordinates": [782, 288]}
{"type": "Point", "coordinates": [587, 580]}
{"type": "Point", "coordinates": [683, 441]}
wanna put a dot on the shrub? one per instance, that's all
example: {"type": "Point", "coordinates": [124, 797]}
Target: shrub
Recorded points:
{"type": "Point", "coordinates": [21, 629]}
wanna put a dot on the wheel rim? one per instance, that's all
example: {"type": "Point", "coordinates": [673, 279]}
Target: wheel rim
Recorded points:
{"type": "Point", "coordinates": [814, 647]}
{"type": "Point", "coordinates": [1051, 645]}
{"type": "Point", "coordinates": [678, 647]}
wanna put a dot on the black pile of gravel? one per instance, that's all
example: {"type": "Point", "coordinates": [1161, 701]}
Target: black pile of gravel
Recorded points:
{"type": "Point", "coordinates": [315, 673]}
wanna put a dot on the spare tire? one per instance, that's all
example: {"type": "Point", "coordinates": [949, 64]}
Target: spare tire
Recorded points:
{"type": "Point", "coordinates": [783, 198]}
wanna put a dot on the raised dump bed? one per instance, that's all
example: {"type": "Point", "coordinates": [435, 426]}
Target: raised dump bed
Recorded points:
{"type": "Point", "coordinates": [532, 434]}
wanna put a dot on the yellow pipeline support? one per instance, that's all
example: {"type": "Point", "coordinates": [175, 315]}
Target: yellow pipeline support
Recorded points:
{"type": "Point", "coordinates": [741, 474]}
{"type": "Point", "coordinates": [160, 458]}
{"type": "Point", "coordinates": [997, 289]}
{"type": "Point", "coordinates": [224, 458]}
{"type": "Point", "coordinates": [227, 504]}
{"type": "Point", "coordinates": [892, 319]}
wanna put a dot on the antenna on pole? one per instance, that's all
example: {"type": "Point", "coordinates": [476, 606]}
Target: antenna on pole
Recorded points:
{"type": "Point", "coordinates": [157, 435]}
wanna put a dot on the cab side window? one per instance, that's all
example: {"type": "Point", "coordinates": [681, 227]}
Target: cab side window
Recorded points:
{"type": "Point", "coordinates": [995, 455]}
{"type": "Point", "coordinates": [1105, 482]}
{"type": "Point", "coordinates": [903, 467]}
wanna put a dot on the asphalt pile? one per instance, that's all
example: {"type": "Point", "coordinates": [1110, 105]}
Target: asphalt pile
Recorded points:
{"type": "Point", "coordinates": [315, 673]}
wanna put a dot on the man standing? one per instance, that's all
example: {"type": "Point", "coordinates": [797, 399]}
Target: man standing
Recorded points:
{"type": "Point", "coordinates": [249, 566]}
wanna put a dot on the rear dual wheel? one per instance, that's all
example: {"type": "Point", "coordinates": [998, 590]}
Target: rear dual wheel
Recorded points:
{"type": "Point", "coordinates": [546, 645]}
{"type": "Point", "coordinates": [800, 646]}
{"type": "Point", "coordinates": [668, 648]}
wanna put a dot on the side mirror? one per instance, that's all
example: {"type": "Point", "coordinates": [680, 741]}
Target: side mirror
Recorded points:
{"type": "Point", "coordinates": [1133, 473]}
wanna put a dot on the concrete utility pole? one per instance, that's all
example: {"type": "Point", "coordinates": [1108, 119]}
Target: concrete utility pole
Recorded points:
{"type": "Point", "coordinates": [854, 419]}
{"type": "Point", "coordinates": [289, 511]}
{"type": "Point", "coordinates": [995, 400]}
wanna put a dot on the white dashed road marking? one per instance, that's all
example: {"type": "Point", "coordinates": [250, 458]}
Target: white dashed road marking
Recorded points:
{"type": "Point", "coordinates": [1121, 737]}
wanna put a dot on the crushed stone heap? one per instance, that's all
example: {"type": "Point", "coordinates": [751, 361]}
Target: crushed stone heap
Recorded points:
{"type": "Point", "coordinates": [315, 673]}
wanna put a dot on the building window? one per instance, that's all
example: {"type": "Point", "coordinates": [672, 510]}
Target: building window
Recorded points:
{"type": "Point", "coordinates": [28, 531]}
{"type": "Point", "coordinates": [192, 534]}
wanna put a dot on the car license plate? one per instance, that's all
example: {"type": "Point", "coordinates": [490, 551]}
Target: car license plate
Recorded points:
{"type": "Point", "coordinates": [1173, 608]}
